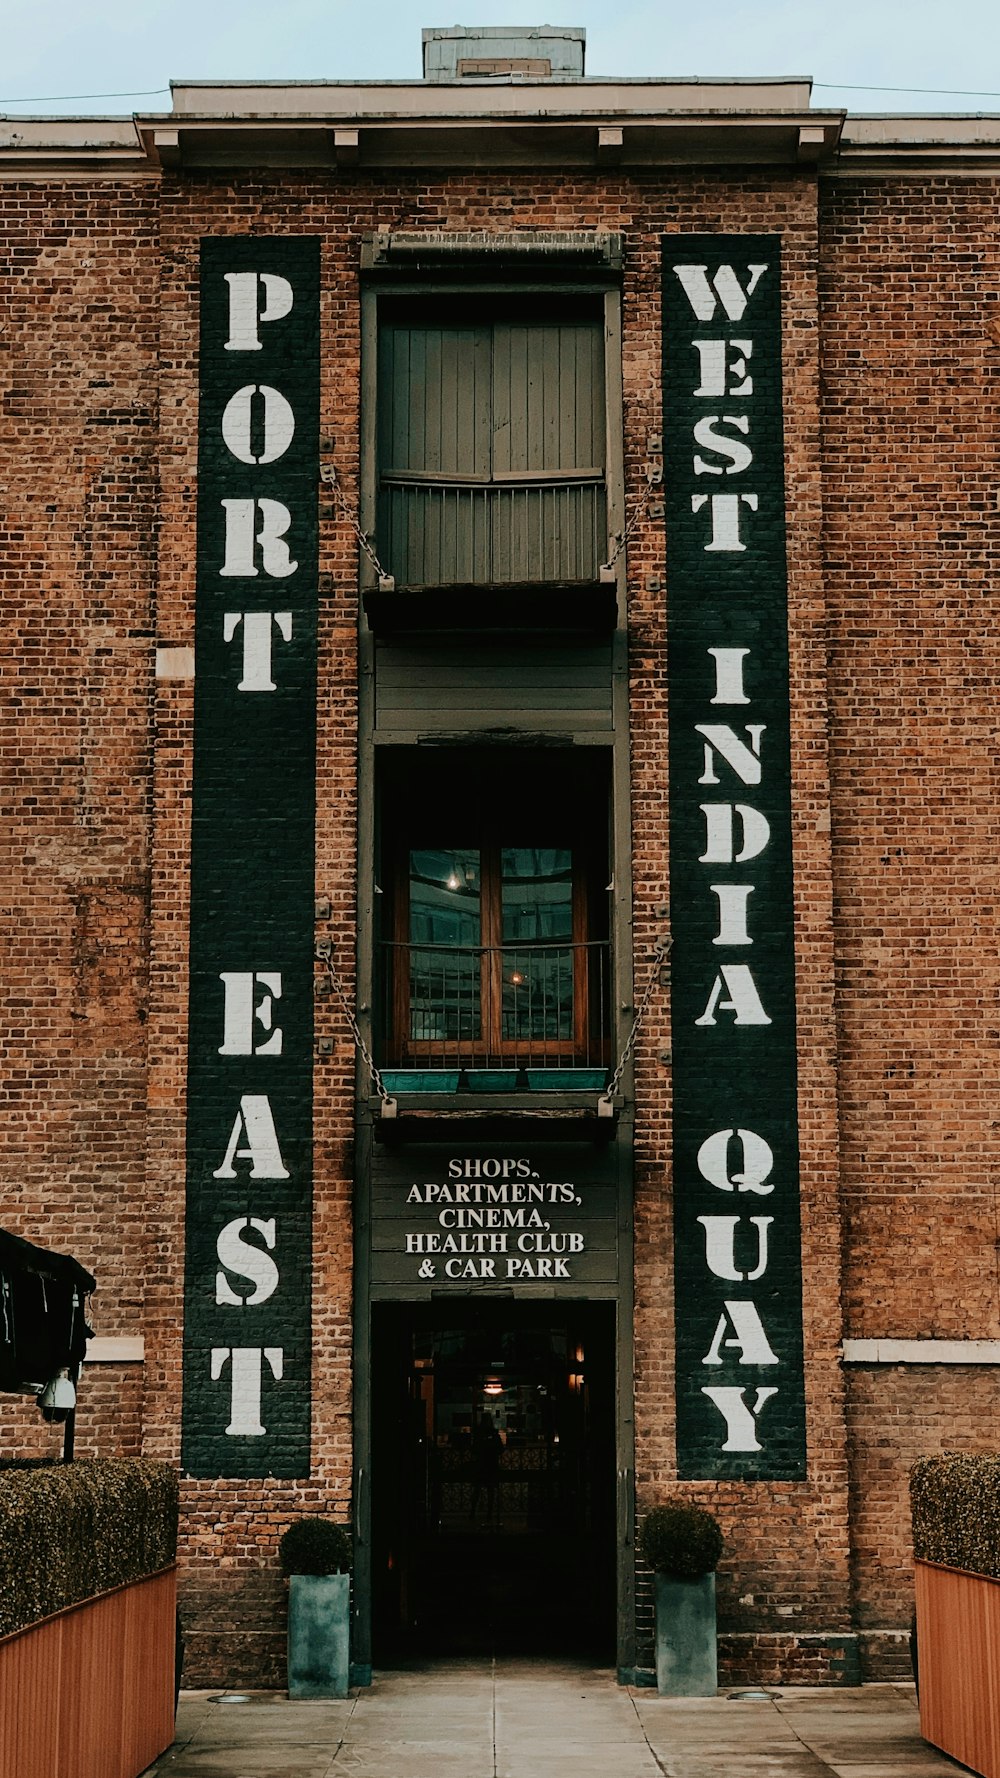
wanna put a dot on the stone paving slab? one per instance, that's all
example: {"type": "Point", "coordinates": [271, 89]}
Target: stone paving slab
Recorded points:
{"type": "Point", "coordinates": [910, 1768]}
{"type": "Point", "coordinates": [257, 1728]}
{"type": "Point", "coordinates": [255, 1762]}
{"type": "Point", "coordinates": [585, 1763]}
{"type": "Point", "coordinates": [398, 1759]}
{"type": "Point", "coordinates": [538, 1719]}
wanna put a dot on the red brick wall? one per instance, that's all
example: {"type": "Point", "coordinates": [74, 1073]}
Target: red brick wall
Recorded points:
{"type": "Point", "coordinates": [102, 314]}
{"type": "Point", "coordinates": [911, 408]}
{"type": "Point", "coordinates": [79, 317]}
{"type": "Point", "coordinates": [789, 1552]}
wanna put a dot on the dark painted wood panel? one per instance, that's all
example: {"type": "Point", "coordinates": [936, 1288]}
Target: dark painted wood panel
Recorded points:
{"type": "Point", "coordinates": [438, 687]}
{"type": "Point", "coordinates": [471, 698]}
{"type": "Point", "coordinates": [538, 663]}
{"type": "Point", "coordinates": [450, 1214]}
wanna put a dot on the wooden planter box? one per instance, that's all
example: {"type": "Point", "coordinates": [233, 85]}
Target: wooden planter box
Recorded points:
{"type": "Point", "coordinates": [958, 1647]}
{"type": "Point", "coordinates": [89, 1693]}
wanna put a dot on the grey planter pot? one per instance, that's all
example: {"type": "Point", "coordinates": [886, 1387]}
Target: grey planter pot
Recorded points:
{"type": "Point", "coordinates": [686, 1652]}
{"type": "Point", "coordinates": [319, 1635]}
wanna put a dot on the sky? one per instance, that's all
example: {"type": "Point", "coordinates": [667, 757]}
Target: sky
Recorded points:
{"type": "Point", "coordinates": [66, 56]}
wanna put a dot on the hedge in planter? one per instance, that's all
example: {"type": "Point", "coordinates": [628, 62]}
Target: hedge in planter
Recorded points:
{"type": "Point", "coordinates": [955, 1505]}
{"type": "Point", "coordinates": [316, 1556]}
{"type": "Point", "coordinates": [682, 1543]}
{"type": "Point", "coordinates": [69, 1531]}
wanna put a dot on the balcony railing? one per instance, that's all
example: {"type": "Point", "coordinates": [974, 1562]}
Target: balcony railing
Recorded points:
{"type": "Point", "coordinates": [439, 530]}
{"type": "Point", "coordinates": [510, 1007]}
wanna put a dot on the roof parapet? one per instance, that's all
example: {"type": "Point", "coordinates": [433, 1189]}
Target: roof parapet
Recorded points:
{"type": "Point", "coordinates": [473, 123]}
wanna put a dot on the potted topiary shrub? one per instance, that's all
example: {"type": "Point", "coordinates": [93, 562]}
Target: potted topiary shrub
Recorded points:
{"type": "Point", "coordinates": [316, 1556]}
{"type": "Point", "coordinates": [682, 1544]}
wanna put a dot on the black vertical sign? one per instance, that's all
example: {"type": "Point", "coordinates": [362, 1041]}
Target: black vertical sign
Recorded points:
{"type": "Point", "coordinates": [738, 1269]}
{"type": "Point", "coordinates": [249, 1137]}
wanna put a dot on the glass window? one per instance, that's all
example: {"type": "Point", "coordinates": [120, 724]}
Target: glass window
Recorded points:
{"type": "Point", "coordinates": [444, 952]}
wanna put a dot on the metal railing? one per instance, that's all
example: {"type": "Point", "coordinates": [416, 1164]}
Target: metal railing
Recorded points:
{"type": "Point", "coordinates": [438, 534]}
{"type": "Point", "coordinates": [532, 1005]}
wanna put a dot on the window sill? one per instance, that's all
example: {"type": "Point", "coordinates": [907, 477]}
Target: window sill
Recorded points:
{"type": "Point", "coordinates": [416, 1107]}
{"type": "Point", "coordinates": [533, 1084]}
{"type": "Point", "coordinates": [582, 607]}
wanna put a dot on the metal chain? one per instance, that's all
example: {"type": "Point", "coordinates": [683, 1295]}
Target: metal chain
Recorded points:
{"type": "Point", "coordinates": [328, 475]}
{"type": "Point", "coordinates": [623, 536]}
{"type": "Point", "coordinates": [662, 948]}
{"type": "Point", "coordinates": [365, 1053]}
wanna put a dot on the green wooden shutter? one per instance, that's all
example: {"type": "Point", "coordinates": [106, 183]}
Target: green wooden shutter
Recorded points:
{"type": "Point", "coordinates": [491, 451]}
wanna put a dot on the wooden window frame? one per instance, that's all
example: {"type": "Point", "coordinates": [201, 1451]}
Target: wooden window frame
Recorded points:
{"type": "Point", "coordinates": [487, 800]}
{"type": "Point", "coordinates": [491, 1041]}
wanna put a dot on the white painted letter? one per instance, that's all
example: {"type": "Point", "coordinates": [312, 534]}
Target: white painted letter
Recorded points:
{"type": "Point", "coordinates": [720, 1247]}
{"type": "Point", "coordinates": [719, 839]}
{"type": "Point", "coordinates": [257, 640]}
{"type": "Point", "coordinates": [757, 1161]}
{"type": "Point", "coordinates": [740, 455]}
{"type": "Point", "coordinates": [733, 898]}
{"type": "Point", "coordinates": [247, 1261]}
{"type": "Point", "coordinates": [747, 1336]}
{"type": "Point", "coordinates": [722, 739]}
{"type": "Point", "coordinates": [740, 1420]}
{"type": "Point", "coordinates": [726, 285]}
{"type": "Point", "coordinates": [278, 424]}
{"type": "Point", "coordinates": [245, 1421]}
{"type": "Point", "coordinates": [240, 1012]}
{"type": "Point", "coordinates": [744, 999]}
{"type": "Point", "coordinates": [254, 1121]}
{"type": "Point", "coordinates": [244, 306]}
{"type": "Point", "coordinates": [729, 675]}
{"type": "Point", "coordinates": [712, 354]}
{"type": "Point", "coordinates": [725, 518]}
{"type": "Point", "coordinates": [243, 540]}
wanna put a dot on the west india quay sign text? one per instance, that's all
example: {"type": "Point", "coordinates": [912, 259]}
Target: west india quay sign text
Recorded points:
{"type": "Point", "coordinates": [740, 1398]}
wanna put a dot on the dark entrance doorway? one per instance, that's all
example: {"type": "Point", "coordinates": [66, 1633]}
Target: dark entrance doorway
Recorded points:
{"type": "Point", "coordinates": [493, 1508]}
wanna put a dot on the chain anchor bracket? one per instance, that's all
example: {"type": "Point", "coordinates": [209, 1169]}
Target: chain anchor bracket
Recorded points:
{"type": "Point", "coordinates": [606, 1102]}
{"type": "Point", "coordinates": [324, 954]}
{"type": "Point", "coordinates": [328, 476]}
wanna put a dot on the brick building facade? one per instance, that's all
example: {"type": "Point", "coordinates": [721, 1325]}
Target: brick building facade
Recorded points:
{"type": "Point", "coordinates": [595, 366]}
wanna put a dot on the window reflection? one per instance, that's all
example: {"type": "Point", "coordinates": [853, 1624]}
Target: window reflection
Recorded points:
{"type": "Point", "coordinates": [445, 934]}
{"type": "Point", "coordinates": [537, 892]}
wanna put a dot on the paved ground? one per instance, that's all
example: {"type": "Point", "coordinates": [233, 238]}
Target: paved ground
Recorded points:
{"type": "Point", "coordinates": [543, 1719]}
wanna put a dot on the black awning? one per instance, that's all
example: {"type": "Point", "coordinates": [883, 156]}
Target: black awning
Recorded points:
{"type": "Point", "coordinates": [24, 1255]}
{"type": "Point", "coordinates": [43, 1327]}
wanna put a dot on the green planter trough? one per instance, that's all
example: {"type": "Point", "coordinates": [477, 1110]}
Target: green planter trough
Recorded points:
{"type": "Point", "coordinates": [319, 1624]}
{"type": "Point", "coordinates": [686, 1652]}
